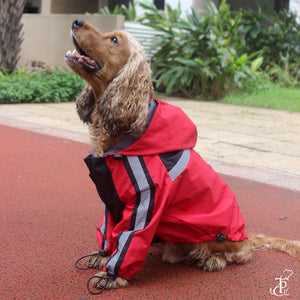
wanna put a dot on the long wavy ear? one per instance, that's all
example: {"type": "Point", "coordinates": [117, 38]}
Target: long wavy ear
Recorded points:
{"type": "Point", "coordinates": [123, 107]}
{"type": "Point", "coordinates": [85, 104]}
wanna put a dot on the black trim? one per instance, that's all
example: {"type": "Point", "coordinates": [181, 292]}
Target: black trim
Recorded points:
{"type": "Point", "coordinates": [102, 177]}
{"type": "Point", "coordinates": [170, 159]}
{"type": "Point", "coordinates": [129, 140]}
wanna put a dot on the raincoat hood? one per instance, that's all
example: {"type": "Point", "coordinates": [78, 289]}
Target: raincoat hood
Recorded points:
{"type": "Point", "coordinates": [167, 129]}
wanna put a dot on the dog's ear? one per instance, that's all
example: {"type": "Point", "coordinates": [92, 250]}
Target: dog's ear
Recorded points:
{"type": "Point", "coordinates": [85, 104]}
{"type": "Point", "coordinates": [123, 107]}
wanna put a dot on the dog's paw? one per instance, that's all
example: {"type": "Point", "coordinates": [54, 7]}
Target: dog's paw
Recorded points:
{"type": "Point", "coordinates": [100, 281]}
{"type": "Point", "coordinates": [215, 263]}
{"type": "Point", "coordinates": [95, 261]}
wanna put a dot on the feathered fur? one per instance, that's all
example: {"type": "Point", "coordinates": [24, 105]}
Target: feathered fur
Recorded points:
{"type": "Point", "coordinates": [214, 256]}
{"type": "Point", "coordinates": [122, 108]}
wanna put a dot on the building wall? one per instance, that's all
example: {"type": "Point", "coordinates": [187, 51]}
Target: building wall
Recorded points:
{"type": "Point", "coordinates": [250, 4]}
{"type": "Point", "coordinates": [93, 6]}
{"type": "Point", "coordinates": [66, 6]}
{"type": "Point", "coordinates": [73, 6]}
{"type": "Point", "coordinates": [185, 5]}
{"type": "Point", "coordinates": [33, 6]}
{"type": "Point", "coordinates": [295, 8]}
{"type": "Point", "coordinates": [47, 37]}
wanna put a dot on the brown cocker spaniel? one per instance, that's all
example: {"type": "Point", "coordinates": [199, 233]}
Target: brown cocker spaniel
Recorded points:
{"type": "Point", "coordinates": [115, 104]}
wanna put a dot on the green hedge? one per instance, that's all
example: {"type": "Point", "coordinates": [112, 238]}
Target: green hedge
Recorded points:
{"type": "Point", "coordinates": [39, 87]}
{"type": "Point", "coordinates": [277, 37]}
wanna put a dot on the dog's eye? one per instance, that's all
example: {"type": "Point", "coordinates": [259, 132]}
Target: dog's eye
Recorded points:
{"type": "Point", "coordinates": [114, 40]}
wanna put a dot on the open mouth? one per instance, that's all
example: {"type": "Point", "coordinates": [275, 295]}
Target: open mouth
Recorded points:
{"type": "Point", "coordinates": [87, 62]}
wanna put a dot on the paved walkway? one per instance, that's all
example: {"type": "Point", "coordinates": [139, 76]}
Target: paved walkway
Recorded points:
{"type": "Point", "coordinates": [252, 143]}
{"type": "Point", "coordinates": [49, 211]}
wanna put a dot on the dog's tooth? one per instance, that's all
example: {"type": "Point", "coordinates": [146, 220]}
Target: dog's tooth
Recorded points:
{"type": "Point", "coordinates": [74, 52]}
{"type": "Point", "coordinates": [69, 52]}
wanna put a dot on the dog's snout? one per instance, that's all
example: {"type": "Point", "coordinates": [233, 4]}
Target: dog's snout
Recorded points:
{"type": "Point", "coordinates": [77, 23]}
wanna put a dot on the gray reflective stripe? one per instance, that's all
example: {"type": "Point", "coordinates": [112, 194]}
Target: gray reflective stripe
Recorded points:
{"type": "Point", "coordinates": [124, 240]}
{"type": "Point", "coordinates": [180, 165]}
{"type": "Point", "coordinates": [103, 229]}
{"type": "Point", "coordinates": [145, 193]}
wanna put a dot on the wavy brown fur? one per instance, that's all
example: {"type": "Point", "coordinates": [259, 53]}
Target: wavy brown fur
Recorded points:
{"type": "Point", "coordinates": [214, 256]}
{"type": "Point", "coordinates": [123, 107]}
{"type": "Point", "coordinates": [115, 101]}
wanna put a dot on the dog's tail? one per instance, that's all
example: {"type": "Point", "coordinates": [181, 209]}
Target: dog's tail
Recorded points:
{"type": "Point", "coordinates": [261, 241]}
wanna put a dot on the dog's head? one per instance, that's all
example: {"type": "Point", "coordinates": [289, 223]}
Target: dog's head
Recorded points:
{"type": "Point", "coordinates": [101, 55]}
{"type": "Point", "coordinates": [115, 67]}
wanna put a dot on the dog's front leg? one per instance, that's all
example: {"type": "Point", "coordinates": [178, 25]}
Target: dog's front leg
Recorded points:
{"type": "Point", "coordinates": [95, 261]}
{"type": "Point", "coordinates": [102, 280]}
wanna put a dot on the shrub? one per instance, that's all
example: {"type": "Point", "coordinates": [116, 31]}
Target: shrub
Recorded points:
{"type": "Point", "coordinates": [199, 56]}
{"type": "Point", "coordinates": [278, 39]}
{"type": "Point", "coordinates": [39, 87]}
{"type": "Point", "coordinates": [223, 51]}
{"type": "Point", "coordinates": [128, 12]}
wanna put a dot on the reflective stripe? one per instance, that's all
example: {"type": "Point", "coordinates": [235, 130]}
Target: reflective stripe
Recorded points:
{"type": "Point", "coordinates": [142, 212]}
{"type": "Point", "coordinates": [114, 263]}
{"type": "Point", "coordinates": [144, 190]}
{"type": "Point", "coordinates": [180, 165]}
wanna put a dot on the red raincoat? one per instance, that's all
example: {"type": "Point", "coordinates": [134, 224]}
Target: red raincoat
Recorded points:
{"type": "Point", "coordinates": [157, 185]}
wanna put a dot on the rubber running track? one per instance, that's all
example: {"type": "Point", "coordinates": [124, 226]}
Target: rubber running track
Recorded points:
{"type": "Point", "coordinates": [48, 217]}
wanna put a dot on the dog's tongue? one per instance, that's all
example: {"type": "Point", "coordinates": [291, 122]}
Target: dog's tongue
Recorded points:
{"type": "Point", "coordinates": [88, 60]}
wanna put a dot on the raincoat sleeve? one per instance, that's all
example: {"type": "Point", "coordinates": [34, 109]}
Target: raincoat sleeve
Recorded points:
{"type": "Point", "coordinates": [132, 236]}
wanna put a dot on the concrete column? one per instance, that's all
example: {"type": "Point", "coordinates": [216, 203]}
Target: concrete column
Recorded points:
{"type": "Point", "coordinates": [45, 7]}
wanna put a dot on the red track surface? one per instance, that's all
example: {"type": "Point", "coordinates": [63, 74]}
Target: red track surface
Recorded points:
{"type": "Point", "coordinates": [48, 215]}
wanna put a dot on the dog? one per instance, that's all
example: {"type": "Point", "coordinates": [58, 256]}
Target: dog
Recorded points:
{"type": "Point", "coordinates": [154, 186]}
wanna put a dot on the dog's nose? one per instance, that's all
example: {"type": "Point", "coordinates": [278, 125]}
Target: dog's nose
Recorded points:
{"type": "Point", "coordinates": [77, 23]}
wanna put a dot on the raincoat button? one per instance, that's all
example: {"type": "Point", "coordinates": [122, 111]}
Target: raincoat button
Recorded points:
{"type": "Point", "coordinates": [118, 156]}
{"type": "Point", "coordinates": [221, 237]}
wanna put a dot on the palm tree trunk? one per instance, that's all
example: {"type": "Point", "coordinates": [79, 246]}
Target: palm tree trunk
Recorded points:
{"type": "Point", "coordinates": [10, 32]}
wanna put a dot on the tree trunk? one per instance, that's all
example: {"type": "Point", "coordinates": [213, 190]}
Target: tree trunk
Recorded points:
{"type": "Point", "coordinates": [10, 32]}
